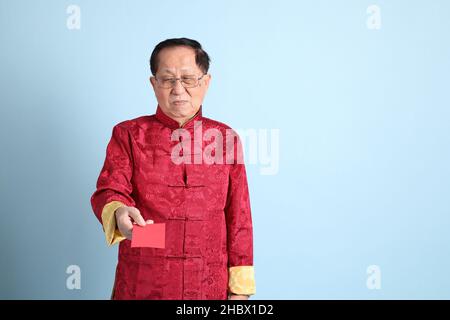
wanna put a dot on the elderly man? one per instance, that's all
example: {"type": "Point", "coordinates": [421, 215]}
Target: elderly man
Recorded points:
{"type": "Point", "coordinates": [156, 171]}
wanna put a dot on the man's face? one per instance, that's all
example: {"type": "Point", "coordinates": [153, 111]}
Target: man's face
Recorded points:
{"type": "Point", "coordinates": [178, 102]}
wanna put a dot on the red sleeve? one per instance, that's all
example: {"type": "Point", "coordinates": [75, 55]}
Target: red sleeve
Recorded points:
{"type": "Point", "coordinates": [238, 213]}
{"type": "Point", "coordinates": [114, 181]}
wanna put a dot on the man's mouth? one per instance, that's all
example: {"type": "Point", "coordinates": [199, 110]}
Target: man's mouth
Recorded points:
{"type": "Point", "coordinates": [179, 102]}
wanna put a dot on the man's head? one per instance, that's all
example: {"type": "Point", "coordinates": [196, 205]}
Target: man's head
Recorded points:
{"type": "Point", "coordinates": [185, 60]}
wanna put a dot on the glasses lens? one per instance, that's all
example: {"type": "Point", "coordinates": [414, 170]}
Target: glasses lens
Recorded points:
{"type": "Point", "coordinates": [189, 82]}
{"type": "Point", "coordinates": [167, 82]}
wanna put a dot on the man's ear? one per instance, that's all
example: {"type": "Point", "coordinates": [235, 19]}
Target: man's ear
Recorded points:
{"type": "Point", "coordinates": [206, 80]}
{"type": "Point", "coordinates": [153, 81]}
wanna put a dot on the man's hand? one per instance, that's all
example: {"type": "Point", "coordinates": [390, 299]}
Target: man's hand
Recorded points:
{"type": "Point", "coordinates": [126, 217]}
{"type": "Point", "coordinates": [237, 297]}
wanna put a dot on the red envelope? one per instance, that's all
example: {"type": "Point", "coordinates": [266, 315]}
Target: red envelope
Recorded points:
{"type": "Point", "coordinates": [152, 236]}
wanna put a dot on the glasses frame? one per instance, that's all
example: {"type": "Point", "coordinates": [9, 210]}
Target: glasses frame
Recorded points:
{"type": "Point", "coordinates": [181, 81]}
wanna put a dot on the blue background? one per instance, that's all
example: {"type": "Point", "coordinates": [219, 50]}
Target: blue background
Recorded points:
{"type": "Point", "coordinates": [363, 116]}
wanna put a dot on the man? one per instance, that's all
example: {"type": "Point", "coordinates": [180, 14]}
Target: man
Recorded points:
{"type": "Point", "coordinates": [152, 174]}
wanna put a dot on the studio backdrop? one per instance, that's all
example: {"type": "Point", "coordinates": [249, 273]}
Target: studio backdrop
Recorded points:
{"type": "Point", "coordinates": [343, 108]}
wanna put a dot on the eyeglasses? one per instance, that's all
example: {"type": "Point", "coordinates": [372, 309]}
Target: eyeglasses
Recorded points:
{"type": "Point", "coordinates": [186, 82]}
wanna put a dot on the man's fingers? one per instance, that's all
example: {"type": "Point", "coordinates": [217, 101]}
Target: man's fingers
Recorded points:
{"type": "Point", "coordinates": [146, 221]}
{"type": "Point", "coordinates": [136, 215]}
{"type": "Point", "coordinates": [125, 224]}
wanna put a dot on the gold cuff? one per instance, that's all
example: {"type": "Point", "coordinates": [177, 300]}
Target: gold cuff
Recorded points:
{"type": "Point", "coordinates": [241, 280]}
{"type": "Point", "coordinates": [112, 234]}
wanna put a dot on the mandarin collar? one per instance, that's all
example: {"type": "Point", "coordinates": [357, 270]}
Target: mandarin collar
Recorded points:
{"type": "Point", "coordinates": [171, 123]}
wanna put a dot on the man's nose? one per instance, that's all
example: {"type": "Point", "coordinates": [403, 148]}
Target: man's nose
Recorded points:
{"type": "Point", "coordinates": [178, 87]}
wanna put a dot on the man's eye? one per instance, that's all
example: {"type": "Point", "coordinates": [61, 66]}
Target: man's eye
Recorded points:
{"type": "Point", "coordinates": [189, 80]}
{"type": "Point", "coordinates": [168, 80]}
